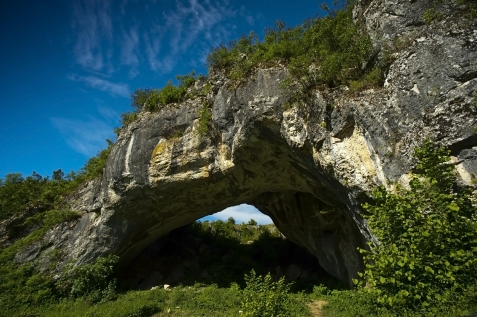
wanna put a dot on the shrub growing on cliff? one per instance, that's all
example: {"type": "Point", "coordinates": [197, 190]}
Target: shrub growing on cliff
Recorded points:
{"type": "Point", "coordinates": [95, 282]}
{"type": "Point", "coordinates": [427, 250]}
{"type": "Point", "coordinates": [469, 7]}
{"type": "Point", "coordinates": [205, 115]}
{"type": "Point", "coordinates": [324, 51]}
{"type": "Point", "coordinates": [155, 99]}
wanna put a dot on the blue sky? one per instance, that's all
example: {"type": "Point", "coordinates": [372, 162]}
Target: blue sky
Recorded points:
{"type": "Point", "coordinates": [67, 68]}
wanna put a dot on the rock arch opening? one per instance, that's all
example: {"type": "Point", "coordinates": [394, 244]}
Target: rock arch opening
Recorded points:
{"type": "Point", "coordinates": [220, 249]}
{"type": "Point", "coordinates": [256, 153]}
{"type": "Point", "coordinates": [243, 213]}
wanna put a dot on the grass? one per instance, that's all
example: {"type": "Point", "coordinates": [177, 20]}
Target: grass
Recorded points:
{"type": "Point", "coordinates": [363, 303]}
{"type": "Point", "coordinates": [197, 300]}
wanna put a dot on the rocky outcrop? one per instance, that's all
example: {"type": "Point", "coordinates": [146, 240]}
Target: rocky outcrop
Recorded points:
{"type": "Point", "coordinates": [308, 168]}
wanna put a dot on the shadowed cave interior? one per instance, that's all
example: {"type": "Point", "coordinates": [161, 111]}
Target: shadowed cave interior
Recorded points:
{"type": "Point", "coordinates": [222, 252]}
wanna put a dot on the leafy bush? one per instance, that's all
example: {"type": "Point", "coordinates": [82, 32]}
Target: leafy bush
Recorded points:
{"type": "Point", "coordinates": [128, 117]}
{"type": "Point", "coordinates": [155, 99]}
{"type": "Point", "coordinates": [431, 15]}
{"type": "Point", "coordinates": [262, 297]}
{"type": "Point", "coordinates": [94, 166]}
{"type": "Point", "coordinates": [17, 193]}
{"type": "Point", "coordinates": [252, 222]}
{"type": "Point", "coordinates": [20, 285]}
{"type": "Point", "coordinates": [95, 281]}
{"type": "Point", "coordinates": [205, 115]}
{"type": "Point", "coordinates": [325, 51]}
{"type": "Point", "coordinates": [469, 7]}
{"type": "Point", "coordinates": [427, 250]}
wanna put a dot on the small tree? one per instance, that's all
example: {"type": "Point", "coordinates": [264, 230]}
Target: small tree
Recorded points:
{"type": "Point", "coordinates": [252, 222]}
{"type": "Point", "coordinates": [265, 298]}
{"type": "Point", "coordinates": [231, 220]}
{"type": "Point", "coordinates": [427, 236]}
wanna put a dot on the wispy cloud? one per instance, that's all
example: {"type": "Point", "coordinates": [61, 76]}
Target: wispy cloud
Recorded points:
{"type": "Point", "coordinates": [245, 14]}
{"type": "Point", "coordinates": [115, 89]}
{"type": "Point", "coordinates": [85, 137]}
{"type": "Point", "coordinates": [130, 50]}
{"type": "Point", "coordinates": [111, 115]}
{"type": "Point", "coordinates": [242, 213]}
{"type": "Point", "coordinates": [93, 25]}
{"type": "Point", "coordinates": [183, 26]}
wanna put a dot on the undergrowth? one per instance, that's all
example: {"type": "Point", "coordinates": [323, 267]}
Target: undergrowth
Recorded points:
{"type": "Point", "coordinates": [328, 51]}
{"type": "Point", "coordinates": [468, 7]}
{"type": "Point", "coordinates": [153, 99]}
{"type": "Point", "coordinates": [17, 193]}
{"type": "Point", "coordinates": [425, 261]}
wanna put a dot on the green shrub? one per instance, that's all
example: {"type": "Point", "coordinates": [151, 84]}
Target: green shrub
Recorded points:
{"type": "Point", "coordinates": [374, 78]}
{"type": "Point", "coordinates": [427, 250]}
{"type": "Point", "coordinates": [18, 192]}
{"type": "Point", "coordinates": [252, 222]}
{"type": "Point", "coordinates": [128, 117]}
{"type": "Point", "coordinates": [431, 15]}
{"type": "Point", "coordinates": [468, 7]}
{"type": "Point", "coordinates": [20, 285]}
{"type": "Point", "coordinates": [327, 51]}
{"type": "Point", "coordinates": [205, 116]}
{"type": "Point", "coordinates": [95, 281]}
{"type": "Point", "coordinates": [262, 297]}
{"type": "Point", "coordinates": [205, 90]}
{"type": "Point", "coordinates": [155, 99]}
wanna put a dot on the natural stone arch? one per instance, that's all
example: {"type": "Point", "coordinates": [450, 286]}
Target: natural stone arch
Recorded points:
{"type": "Point", "coordinates": [308, 167]}
{"type": "Point", "coordinates": [157, 180]}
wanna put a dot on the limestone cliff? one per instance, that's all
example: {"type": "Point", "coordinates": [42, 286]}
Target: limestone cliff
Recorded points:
{"type": "Point", "coordinates": [308, 168]}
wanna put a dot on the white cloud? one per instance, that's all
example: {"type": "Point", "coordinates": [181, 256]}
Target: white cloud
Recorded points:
{"type": "Point", "coordinates": [115, 89]}
{"type": "Point", "coordinates": [92, 24]}
{"type": "Point", "coordinates": [130, 48]}
{"type": "Point", "coordinates": [85, 137]}
{"type": "Point", "coordinates": [183, 26]}
{"type": "Point", "coordinates": [153, 47]}
{"type": "Point", "coordinates": [111, 115]}
{"type": "Point", "coordinates": [130, 51]}
{"type": "Point", "coordinates": [242, 213]}
{"type": "Point", "coordinates": [243, 12]}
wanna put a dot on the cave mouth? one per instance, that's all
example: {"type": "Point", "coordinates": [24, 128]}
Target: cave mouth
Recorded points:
{"type": "Point", "coordinates": [220, 249]}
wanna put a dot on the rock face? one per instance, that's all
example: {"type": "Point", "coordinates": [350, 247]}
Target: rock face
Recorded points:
{"type": "Point", "coordinates": [308, 168]}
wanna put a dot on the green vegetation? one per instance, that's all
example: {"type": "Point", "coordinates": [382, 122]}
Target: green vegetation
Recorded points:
{"type": "Point", "coordinates": [469, 7]}
{"type": "Point", "coordinates": [155, 99]}
{"type": "Point", "coordinates": [431, 15]}
{"type": "Point", "coordinates": [238, 233]}
{"type": "Point", "coordinates": [329, 51]}
{"type": "Point", "coordinates": [94, 282]}
{"type": "Point", "coordinates": [423, 265]}
{"type": "Point", "coordinates": [263, 297]}
{"type": "Point", "coordinates": [184, 301]}
{"type": "Point", "coordinates": [425, 261]}
{"type": "Point", "coordinates": [128, 117]}
{"type": "Point", "coordinates": [90, 289]}
{"type": "Point", "coordinates": [205, 115]}
{"type": "Point", "coordinates": [18, 192]}
{"type": "Point", "coordinates": [20, 285]}
{"type": "Point", "coordinates": [428, 238]}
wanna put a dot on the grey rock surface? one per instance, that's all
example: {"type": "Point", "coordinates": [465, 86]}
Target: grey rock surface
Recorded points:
{"type": "Point", "coordinates": [309, 177]}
